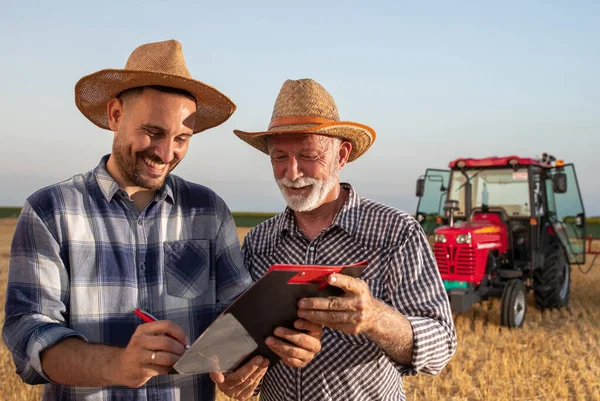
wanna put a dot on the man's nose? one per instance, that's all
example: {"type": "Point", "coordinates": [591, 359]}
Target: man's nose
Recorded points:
{"type": "Point", "coordinates": [164, 150]}
{"type": "Point", "coordinates": [292, 172]}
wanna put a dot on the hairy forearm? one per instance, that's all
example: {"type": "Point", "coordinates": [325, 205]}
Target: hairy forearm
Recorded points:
{"type": "Point", "coordinates": [393, 333]}
{"type": "Point", "coordinates": [74, 362]}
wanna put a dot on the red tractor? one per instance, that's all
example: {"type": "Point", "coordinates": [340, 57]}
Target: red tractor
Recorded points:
{"type": "Point", "coordinates": [502, 226]}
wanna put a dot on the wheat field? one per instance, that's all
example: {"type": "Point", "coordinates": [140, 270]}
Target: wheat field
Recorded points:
{"type": "Point", "coordinates": [555, 356]}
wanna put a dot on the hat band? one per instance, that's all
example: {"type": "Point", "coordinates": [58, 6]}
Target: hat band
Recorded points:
{"type": "Point", "coordinates": [295, 120]}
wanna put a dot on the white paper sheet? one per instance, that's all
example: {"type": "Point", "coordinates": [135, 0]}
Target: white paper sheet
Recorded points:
{"type": "Point", "coordinates": [220, 348]}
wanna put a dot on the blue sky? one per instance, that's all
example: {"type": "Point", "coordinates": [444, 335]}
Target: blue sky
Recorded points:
{"type": "Point", "coordinates": [436, 80]}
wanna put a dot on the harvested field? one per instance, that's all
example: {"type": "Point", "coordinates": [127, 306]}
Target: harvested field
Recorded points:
{"type": "Point", "coordinates": [556, 356]}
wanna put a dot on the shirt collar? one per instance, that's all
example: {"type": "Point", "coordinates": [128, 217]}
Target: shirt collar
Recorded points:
{"type": "Point", "coordinates": [347, 217]}
{"type": "Point", "coordinates": [110, 187]}
{"type": "Point", "coordinates": [287, 222]}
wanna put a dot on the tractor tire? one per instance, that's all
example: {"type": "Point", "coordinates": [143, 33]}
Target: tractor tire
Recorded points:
{"type": "Point", "coordinates": [552, 283]}
{"type": "Point", "coordinates": [514, 304]}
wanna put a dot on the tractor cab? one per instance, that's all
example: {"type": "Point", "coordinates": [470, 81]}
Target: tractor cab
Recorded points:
{"type": "Point", "coordinates": [498, 221]}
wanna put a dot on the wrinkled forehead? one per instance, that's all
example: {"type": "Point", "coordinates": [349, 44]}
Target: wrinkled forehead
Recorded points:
{"type": "Point", "coordinates": [304, 141]}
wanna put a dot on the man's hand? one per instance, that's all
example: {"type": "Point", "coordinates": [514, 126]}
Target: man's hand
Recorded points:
{"type": "Point", "coordinates": [242, 383]}
{"type": "Point", "coordinates": [353, 313]}
{"type": "Point", "coordinates": [153, 350]}
{"type": "Point", "coordinates": [300, 347]}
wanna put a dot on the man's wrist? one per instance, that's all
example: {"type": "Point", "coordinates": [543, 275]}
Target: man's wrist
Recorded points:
{"type": "Point", "coordinates": [111, 371]}
{"type": "Point", "coordinates": [377, 317]}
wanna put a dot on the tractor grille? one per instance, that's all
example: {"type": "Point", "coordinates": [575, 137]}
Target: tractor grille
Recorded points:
{"type": "Point", "coordinates": [455, 260]}
{"type": "Point", "coordinates": [442, 258]}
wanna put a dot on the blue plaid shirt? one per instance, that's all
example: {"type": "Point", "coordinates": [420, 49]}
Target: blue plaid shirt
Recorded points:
{"type": "Point", "coordinates": [83, 258]}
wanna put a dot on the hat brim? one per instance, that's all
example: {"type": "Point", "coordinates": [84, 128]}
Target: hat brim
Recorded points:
{"type": "Point", "coordinates": [93, 92]}
{"type": "Point", "coordinates": [360, 136]}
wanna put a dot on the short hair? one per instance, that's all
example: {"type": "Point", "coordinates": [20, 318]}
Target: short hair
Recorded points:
{"type": "Point", "coordinates": [166, 89]}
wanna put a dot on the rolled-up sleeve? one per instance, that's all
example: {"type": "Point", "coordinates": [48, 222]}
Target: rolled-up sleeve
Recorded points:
{"type": "Point", "coordinates": [417, 291]}
{"type": "Point", "coordinates": [36, 295]}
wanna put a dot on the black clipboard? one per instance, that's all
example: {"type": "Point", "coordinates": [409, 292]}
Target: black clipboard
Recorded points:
{"type": "Point", "coordinates": [270, 302]}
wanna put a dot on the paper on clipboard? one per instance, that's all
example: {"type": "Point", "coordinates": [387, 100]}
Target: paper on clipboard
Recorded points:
{"type": "Point", "coordinates": [219, 349]}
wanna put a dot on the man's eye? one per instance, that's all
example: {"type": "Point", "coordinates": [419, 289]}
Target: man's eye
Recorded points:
{"type": "Point", "coordinates": [280, 158]}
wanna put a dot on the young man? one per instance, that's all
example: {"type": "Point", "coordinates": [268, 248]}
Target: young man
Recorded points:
{"type": "Point", "coordinates": [395, 319]}
{"type": "Point", "coordinates": [89, 250]}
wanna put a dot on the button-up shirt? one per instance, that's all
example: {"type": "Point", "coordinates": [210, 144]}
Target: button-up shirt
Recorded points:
{"type": "Point", "coordinates": [402, 272]}
{"type": "Point", "coordinates": [83, 258]}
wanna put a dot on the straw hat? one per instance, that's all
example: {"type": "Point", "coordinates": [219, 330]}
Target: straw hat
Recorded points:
{"type": "Point", "coordinates": [161, 64]}
{"type": "Point", "coordinates": [304, 106]}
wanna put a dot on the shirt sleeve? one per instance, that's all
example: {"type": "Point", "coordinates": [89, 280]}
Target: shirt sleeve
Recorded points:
{"type": "Point", "coordinates": [36, 296]}
{"type": "Point", "coordinates": [247, 254]}
{"type": "Point", "coordinates": [232, 276]}
{"type": "Point", "coordinates": [416, 289]}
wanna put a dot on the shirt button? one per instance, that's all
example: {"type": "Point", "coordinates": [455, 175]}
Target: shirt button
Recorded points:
{"type": "Point", "coordinates": [312, 248]}
{"type": "Point", "coordinates": [140, 222]}
{"type": "Point", "coordinates": [143, 266]}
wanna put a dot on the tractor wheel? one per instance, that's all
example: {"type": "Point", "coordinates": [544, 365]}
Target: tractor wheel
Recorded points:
{"type": "Point", "coordinates": [552, 282]}
{"type": "Point", "coordinates": [514, 304]}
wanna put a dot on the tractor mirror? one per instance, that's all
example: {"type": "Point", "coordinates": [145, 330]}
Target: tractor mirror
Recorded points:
{"type": "Point", "coordinates": [420, 187]}
{"type": "Point", "coordinates": [559, 183]}
{"type": "Point", "coordinates": [580, 220]}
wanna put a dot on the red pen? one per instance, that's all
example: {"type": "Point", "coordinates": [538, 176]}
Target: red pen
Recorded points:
{"type": "Point", "coordinates": [148, 318]}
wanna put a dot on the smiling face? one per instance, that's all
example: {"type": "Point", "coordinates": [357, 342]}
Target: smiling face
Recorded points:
{"type": "Point", "coordinates": [152, 133]}
{"type": "Point", "coordinates": [306, 168]}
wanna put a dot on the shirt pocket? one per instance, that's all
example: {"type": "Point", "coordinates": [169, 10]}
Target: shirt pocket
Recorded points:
{"type": "Point", "coordinates": [187, 267]}
{"type": "Point", "coordinates": [377, 291]}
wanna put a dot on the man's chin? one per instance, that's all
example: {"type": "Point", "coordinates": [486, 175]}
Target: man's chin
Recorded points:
{"type": "Point", "coordinates": [299, 203]}
{"type": "Point", "coordinates": [301, 209]}
{"type": "Point", "coordinates": [152, 184]}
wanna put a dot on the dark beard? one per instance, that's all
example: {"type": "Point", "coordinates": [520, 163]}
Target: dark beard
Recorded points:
{"type": "Point", "coordinates": [131, 170]}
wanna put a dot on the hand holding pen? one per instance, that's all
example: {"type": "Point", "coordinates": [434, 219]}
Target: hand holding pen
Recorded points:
{"type": "Point", "coordinates": [152, 350]}
{"type": "Point", "coordinates": [148, 318]}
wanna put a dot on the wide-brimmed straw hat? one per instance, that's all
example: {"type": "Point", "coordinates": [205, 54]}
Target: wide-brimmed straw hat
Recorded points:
{"type": "Point", "coordinates": [304, 106]}
{"type": "Point", "coordinates": [151, 64]}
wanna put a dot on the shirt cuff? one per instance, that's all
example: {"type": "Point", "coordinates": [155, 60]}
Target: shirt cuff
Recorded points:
{"type": "Point", "coordinates": [431, 348]}
{"type": "Point", "coordinates": [43, 338]}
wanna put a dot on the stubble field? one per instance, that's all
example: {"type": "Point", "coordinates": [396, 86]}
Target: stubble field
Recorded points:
{"type": "Point", "coordinates": [555, 356]}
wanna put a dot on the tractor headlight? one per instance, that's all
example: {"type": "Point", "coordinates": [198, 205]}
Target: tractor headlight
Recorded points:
{"type": "Point", "coordinates": [439, 238]}
{"type": "Point", "coordinates": [463, 239]}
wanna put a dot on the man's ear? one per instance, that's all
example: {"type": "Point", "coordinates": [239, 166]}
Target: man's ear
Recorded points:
{"type": "Point", "coordinates": [114, 109]}
{"type": "Point", "coordinates": [345, 149]}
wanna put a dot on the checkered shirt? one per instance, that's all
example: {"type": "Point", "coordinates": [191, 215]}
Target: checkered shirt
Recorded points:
{"type": "Point", "coordinates": [402, 272]}
{"type": "Point", "coordinates": [83, 258]}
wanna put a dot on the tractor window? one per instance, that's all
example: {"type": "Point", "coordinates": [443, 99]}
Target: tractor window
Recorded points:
{"type": "Point", "coordinates": [568, 215]}
{"type": "Point", "coordinates": [497, 188]}
{"type": "Point", "coordinates": [550, 197]}
{"type": "Point", "coordinates": [538, 195]}
{"type": "Point", "coordinates": [457, 190]}
{"type": "Point", "coordinates": [431, 203]}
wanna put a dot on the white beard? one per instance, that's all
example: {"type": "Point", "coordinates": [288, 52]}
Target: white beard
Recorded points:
{"type": "Point", "coordinates": [319, 190]}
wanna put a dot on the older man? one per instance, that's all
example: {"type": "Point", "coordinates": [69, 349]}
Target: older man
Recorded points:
{"type": "Point", "coordinates": [89, 250]}
{"type": "Point", "coordinates": [395, 319]}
